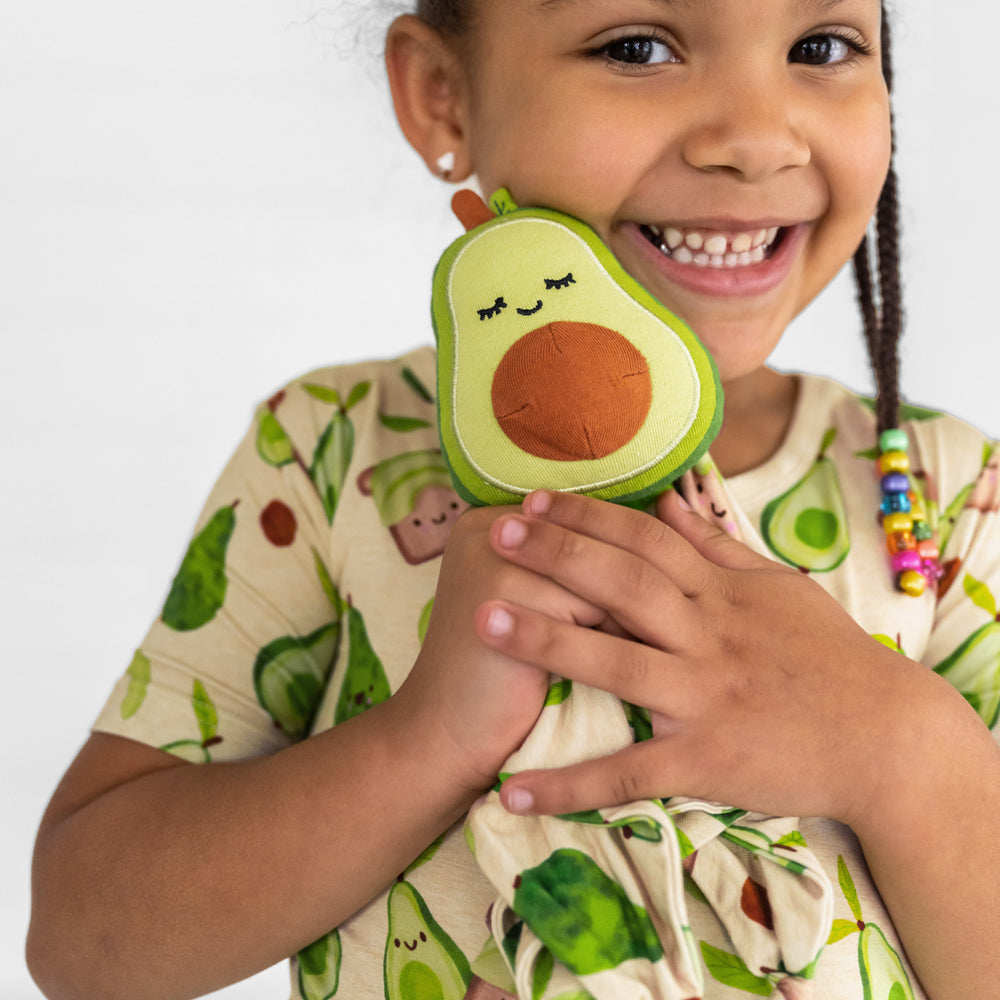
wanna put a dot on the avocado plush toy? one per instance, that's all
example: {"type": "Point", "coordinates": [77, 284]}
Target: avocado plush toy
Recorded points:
{"type": "Point", "coordinates": [556, 369]}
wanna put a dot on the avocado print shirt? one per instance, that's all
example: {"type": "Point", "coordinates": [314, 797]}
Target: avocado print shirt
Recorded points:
{"type": "Point", "coordinates": [302, 599]}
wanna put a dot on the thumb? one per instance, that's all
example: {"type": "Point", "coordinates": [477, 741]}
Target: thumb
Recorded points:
{"type": "Point", "coordinates": [702, 531]}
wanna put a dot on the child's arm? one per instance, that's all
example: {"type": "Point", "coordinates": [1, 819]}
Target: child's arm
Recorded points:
{"type": "Point", "coordinates": [767, 695]}
{"type": "Point", "coordinates": [157, 879]}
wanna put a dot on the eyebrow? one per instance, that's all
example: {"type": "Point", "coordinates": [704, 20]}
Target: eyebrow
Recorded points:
{"type": "Point", "coordinates": [551, 5]}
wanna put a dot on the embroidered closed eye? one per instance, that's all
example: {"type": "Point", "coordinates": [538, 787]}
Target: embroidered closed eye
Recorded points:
{"type": "Point", "coordinates": [551, 283]}
{"type": "Point", "coordinates": [494, 310]}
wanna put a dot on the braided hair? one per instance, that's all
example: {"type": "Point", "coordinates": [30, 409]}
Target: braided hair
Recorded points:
{"type": "Point", "coordinates": [878, 283]}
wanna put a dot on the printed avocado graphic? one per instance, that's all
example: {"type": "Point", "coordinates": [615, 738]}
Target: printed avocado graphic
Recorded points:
{"type": "Point", "coordinates": [557, 369]}
{"type": "Point", "coordinates": [582, 915]}
{"type": "Point", "coordinates": [319, 967]}
{"type": "Point", "coordinates": [974, 667]}
{"type": "Point", "coordinates": [883, 975]}
{"type": "Point", "coordinates": [290, 675]}
{"type": "Point", "coordinates": [365, 683]}
{"type": "Point", "coordinates": [199, 588]}
{"type": "Point", "coordinates": [807, 525]}
{"type": "Point", "coordinates": [421, 960]}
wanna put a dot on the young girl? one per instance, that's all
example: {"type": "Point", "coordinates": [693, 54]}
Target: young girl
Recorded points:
{"type": "Point", "coordinates": [732, 154]}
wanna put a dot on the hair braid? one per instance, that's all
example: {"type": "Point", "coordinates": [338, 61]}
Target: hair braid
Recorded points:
{"type": "Point", "coordinates": [883, 320]}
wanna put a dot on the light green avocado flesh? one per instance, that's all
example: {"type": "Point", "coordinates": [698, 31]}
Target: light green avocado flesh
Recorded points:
{"type": "Point", "coordinates": [974, 670]}
{"type": "Point", "coordinates": [807, 525]}
{"type": "Point", "coordinates": [290, 675]}
{"type": "Point", "coordinates": [511, 258]}
{"type": "Point", "coordinates": [319, 967]}
{"type": "Point", "coordinates": [882, 974]}
{"type": "Point", "coordinates": [421, 960]}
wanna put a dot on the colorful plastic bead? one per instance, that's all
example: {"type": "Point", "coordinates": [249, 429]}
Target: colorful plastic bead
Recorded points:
{"type": "Point", "coordinates": [932, 569]}
{"type": "Point", "coordinates": [901, 541]}
{"type": "Point", "coordinates": [895, 482]}
{"type": "Point", "coordinates": [899, 521]}
{"type": "Point", "coordinates": [912, 582]}
{"type": "Point", "coordinates": [893, 461]}
{"type": "Point", "coordinates": [893, 502]}
{"type": "Point", "coordinates": [928, 549]}
{"type": "Point", "coordinates": [903, 561]}
{"type": "Point", "coordinates": [922, 530]}
{"type": "Point", "coordinates": [894, 439]}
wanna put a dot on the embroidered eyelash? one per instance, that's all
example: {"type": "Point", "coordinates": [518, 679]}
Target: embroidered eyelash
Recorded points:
{"type": "Point", "coordinates": [493, 310]}
{"type": "Point", "coordinates": [551, 283]}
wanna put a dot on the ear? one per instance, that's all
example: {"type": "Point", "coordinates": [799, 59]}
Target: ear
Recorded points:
{"type": "Point", "coordinates": [428, 93]}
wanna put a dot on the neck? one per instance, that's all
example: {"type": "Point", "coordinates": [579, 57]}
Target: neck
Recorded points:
{"type": "Point", "coordinates": [758, 412]}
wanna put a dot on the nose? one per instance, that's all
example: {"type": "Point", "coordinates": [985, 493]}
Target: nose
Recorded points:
{"type": "Point", "coordinates": [747, 128]}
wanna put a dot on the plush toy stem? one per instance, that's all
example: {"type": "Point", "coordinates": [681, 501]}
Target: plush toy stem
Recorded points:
{"type": "Point", "coordinates": [470, 209]}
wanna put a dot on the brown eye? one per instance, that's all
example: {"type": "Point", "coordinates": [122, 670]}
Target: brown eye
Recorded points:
{"type": "Point", "coordinates": [820, 50]}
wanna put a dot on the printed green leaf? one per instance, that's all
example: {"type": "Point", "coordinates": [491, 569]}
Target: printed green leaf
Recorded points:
{"type": "Point", "coordinates": [139, 673]}
{"type": "Point", "coordinates": [869, 453]}
{"type": "Point", "coordinates": [204, 712]}
{"type": "Point", "coordinates": [842, 929]}
{"type": "Point", "coordinates": [793, 839]}
{"type": "Point", "coordinates": [559, 692]}
{"type": "Point", "coordinates": [887, 642]}
{"type": "Point", "coordinates": [542, 974]}
{"type": "Point", "coordinates": [424, 620]}
{"type": "Point", "coordinates": [356, 395]}
{"type": "Point", "coordinates": [323, 393]}
{"type": "Point", "coordinates": [329, 587]}
{"type": "Point", "coordinates": [732, 971]}
{"type": "Point", "coordinates": [847, 886]}
{"type": "Point", "coordinates": [828, 438]}
{"type": "Point", "coordinates": [273, 444]}
{"type": "Point", "coordinates": [402, 424]}
{"type": "Point", "coordinates": [980, 594]}
{"type": "Point", "coordinates": [425, 855]}
{"type": "Point", "coordinates": [411, 379]}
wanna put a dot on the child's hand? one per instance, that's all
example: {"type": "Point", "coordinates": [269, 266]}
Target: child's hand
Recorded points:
{"type": "Point", "coordinates": [473, 704]}
{"type": "Point", "coordinates": [764, 693]}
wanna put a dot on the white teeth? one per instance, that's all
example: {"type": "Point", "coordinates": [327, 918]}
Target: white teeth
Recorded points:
{"type": "Point", "coordinates": [741, 243]}
{"type": "Point", "coordinates": [716, 249]}
{"type": "Point", "coordinates": [715, 245]}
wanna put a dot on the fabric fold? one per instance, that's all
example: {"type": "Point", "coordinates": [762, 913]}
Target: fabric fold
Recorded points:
{"type": "Point", "coordinates": [594, 904]}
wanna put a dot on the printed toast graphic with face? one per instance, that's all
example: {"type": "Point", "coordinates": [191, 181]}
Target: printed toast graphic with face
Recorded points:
{"type": "Point", "coordinates": [415, 500]}
{"type": "Point", "coordinates": [558, 370]}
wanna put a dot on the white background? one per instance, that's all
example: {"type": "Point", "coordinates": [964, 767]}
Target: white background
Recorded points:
{"type": "Point", "coordinates": [201, 200]}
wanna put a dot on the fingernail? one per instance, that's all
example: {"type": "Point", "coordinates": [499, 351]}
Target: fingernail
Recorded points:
{"type": "Point", "coordinates": [538, 502]}
{"type": "Point", "coordinates": [499, 622]}
{"type": "Point", "coordinates": [520, 800]}
{"type": "Point", "coordinates": [512, 533]}
{"type": "Point", "coordinates": [681, 502]}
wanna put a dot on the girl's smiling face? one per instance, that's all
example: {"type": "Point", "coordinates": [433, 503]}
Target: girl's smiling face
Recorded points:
{"type": "Point", "coordinates": [729, 152]}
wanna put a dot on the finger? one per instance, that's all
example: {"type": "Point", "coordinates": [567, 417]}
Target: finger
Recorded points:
{"type": "Point", "coordinates": [631, 530]}
{"type": "Point", "coordinates": [706, 537]}
{"type": "Point", "coordinates": [627, 669]}
{"type": "Point", "coordinates": [642, 599]}
{"type": "Point", "coordinates": [640, 771]}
